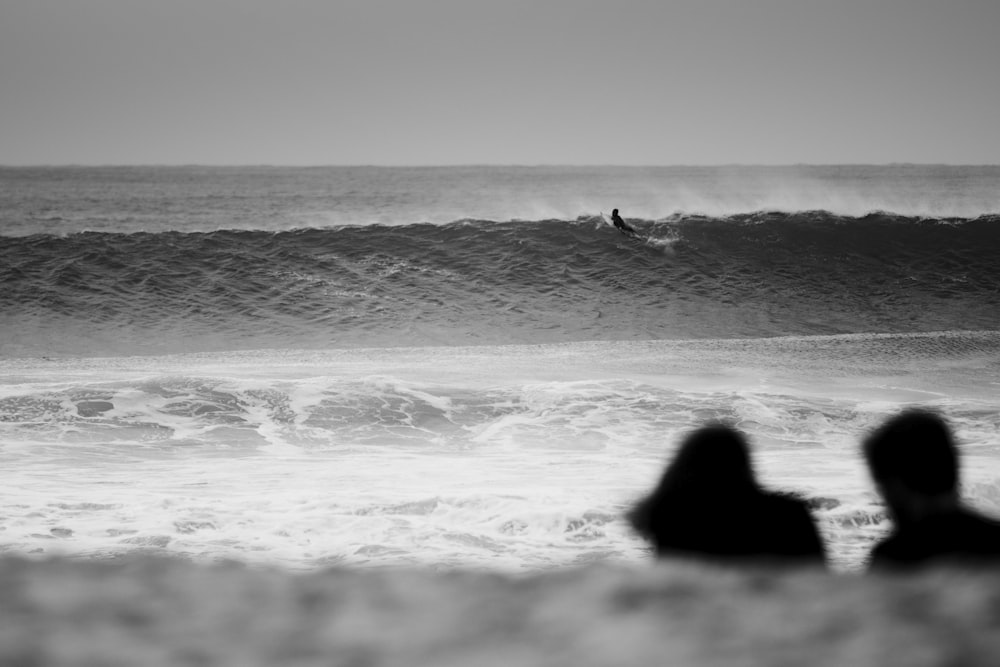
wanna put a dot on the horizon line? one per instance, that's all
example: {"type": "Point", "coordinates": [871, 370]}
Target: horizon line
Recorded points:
{"type": "Point", "coordinates": [538, 165]}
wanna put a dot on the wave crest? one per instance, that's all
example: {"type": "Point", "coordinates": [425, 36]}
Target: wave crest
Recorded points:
{"type": "Point", "coordinates": [486, 282]}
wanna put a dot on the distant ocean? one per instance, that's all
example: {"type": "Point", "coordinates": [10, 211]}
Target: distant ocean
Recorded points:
{"type": "Point", "coordinates": [464, 366]}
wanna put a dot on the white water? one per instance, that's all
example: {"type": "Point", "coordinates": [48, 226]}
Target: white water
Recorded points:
{"type": "Point", "coordinates": [518, 458]}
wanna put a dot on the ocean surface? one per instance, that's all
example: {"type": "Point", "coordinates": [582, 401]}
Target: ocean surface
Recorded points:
{"type": "Point", "coordinates": [465, 366]}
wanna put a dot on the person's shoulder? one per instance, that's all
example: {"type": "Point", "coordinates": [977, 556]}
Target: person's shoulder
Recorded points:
{"type": "Point", "coordinates": [963, 536]}
{"type": "Point", "coordinates": [787, 503]}
{"type": "Point", "coordinates": [891, 550]}
{"type": "Point", "coordinates": [978, 529]}
{"type": "Point", "coordinates": [788, 512]}
{"type": "Point", "coordinates": [789, 527]}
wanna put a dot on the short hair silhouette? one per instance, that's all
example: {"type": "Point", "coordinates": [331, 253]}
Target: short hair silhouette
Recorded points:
{"type": "Point", "coordinates": [917, 449]}
{"type": "Point", "coordinates": [914, 462]}
{"type": "Point", "coordinates": [708, 504]}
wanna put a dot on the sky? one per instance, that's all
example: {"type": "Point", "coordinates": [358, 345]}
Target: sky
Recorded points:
{"type": "Point", "coordinates": [411, 82]}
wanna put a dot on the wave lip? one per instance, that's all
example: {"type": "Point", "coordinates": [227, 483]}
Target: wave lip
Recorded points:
{"type": "Point", "coordinates": [63, 200]}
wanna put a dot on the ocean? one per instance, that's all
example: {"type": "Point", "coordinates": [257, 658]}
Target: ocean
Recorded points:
{"type": "Point", "coordinates": [456, 367]}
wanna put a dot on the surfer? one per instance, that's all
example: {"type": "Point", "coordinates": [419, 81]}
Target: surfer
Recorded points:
{"type": "Point", "coordinates": [914, 463]}
{"type": "Point", "coordinates": [621, 224]}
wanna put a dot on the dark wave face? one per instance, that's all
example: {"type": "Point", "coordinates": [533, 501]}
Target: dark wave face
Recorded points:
{"type": "Point", "coordinates": [482, 282]}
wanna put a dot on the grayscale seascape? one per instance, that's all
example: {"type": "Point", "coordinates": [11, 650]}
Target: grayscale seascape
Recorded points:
{"type": "Point", "coordinates": [395, 414]}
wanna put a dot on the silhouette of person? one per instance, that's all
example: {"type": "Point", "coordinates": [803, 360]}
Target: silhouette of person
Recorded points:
{"type": "Point", "coordinates": [708, 504]}
{"type": "Point", "coordinates": [914, 463]}
{"type": "Point", "coordinates": [621, 224]}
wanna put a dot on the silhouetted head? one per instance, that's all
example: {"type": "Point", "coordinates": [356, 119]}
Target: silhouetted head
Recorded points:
{"type": "Point", "coordinates": [915, 450]}
{"type": "Point", "coordinates": [614, 212]}
{"type": "Point", "coordinates": [713, 460]}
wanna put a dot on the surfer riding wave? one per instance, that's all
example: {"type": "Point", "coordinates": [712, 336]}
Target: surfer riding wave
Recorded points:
{"type": "Point", "coordinates": [617, 221]}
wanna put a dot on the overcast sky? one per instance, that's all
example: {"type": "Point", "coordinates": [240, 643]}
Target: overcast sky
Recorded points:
{"type": "Point", "coordinates": [504, 82]}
